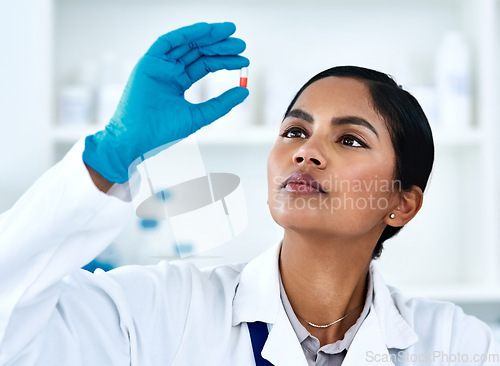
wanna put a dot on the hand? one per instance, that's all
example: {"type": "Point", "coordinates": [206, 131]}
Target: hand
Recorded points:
{"type": "Point", "coordinates": [153, 111]}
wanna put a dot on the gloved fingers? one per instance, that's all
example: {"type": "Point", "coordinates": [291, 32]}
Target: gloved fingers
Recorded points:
{"type": "Point", "coordinates": [218, 32]}
{"type": "Point", "coordinates": [189, 53]}
{"type": "Point", "coordinates": [227, 47]}
{"type": "Point", "coordinates": [206, 64]}
{"type": "Point", "coordinates": [207, 112]}
{"type": "Point", "coordinates": [180, 51]}
{"type": "Point", "coordinates": [200, 34]}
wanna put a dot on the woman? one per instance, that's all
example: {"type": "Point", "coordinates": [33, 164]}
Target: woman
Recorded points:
{"type": "Point", "coordinates": [347, 170]}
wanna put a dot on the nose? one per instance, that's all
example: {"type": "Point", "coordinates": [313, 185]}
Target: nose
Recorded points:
{"type": "Point", "coordinates": [309, 153]}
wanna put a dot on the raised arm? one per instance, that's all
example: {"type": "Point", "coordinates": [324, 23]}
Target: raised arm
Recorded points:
{"type": "Point", "coordinates": [64, 221]}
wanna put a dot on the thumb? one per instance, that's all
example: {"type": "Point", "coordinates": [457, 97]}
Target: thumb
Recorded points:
{"type": "Point", "coordinates": [217, 107]}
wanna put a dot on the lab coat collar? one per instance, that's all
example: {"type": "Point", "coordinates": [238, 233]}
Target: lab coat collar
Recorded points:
{"type": "Point", "coordinates": [395, 329]}
{"type": "Point", "coordinates": [368, 346]}
{"type": "Point", "coordinates": [384, 328]}
{"type": "Point", "coordinates": [257, 298]}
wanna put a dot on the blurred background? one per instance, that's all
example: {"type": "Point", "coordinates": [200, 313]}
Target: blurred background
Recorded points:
{"type": "Point", "coordinates": [65, 62]}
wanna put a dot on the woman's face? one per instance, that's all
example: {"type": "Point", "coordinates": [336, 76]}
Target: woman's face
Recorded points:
{"type": "Point", "coordinates": [332, 167]}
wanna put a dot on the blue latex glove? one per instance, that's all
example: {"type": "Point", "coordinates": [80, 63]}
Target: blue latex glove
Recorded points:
{"type": "Point", "coordinates": [153, 111]}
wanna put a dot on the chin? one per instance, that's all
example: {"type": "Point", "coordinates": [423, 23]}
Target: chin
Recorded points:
{"type": "Point", "coordinates": [297, 216]}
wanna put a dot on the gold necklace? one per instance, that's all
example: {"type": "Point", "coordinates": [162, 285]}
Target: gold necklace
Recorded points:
{"type": "Point", "coordinates": [334, 322]}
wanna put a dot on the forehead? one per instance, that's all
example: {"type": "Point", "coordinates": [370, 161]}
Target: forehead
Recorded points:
{"type": "Point", "coordinates": [338, 96]}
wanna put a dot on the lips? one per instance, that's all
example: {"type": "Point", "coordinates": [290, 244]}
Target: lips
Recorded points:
{"type": "Point", "coordinates": [302, 183]}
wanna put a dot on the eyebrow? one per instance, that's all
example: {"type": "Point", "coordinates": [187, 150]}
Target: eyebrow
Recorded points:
{"type": "Point", "coordinates": [338, 121]}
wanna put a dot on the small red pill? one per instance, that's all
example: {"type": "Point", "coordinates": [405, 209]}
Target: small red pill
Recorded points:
{"type": "Point", "coordinates": [244, 77]}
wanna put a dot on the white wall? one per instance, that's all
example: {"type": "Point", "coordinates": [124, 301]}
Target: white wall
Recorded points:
{"type": "Point", "coordinates": [25, 95]}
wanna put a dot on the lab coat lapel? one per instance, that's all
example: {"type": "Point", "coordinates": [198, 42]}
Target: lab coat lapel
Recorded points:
{"type": "Point", "coordinates": [257, 298]}
{"type": "Point", "coordinates": [385, 327]}
{"type": "Point", "coordinates": [393, 318]}
{"type": "Point", "coordinates": [283, 347]}
{"type": "Point", "coordinates": [368, 346]}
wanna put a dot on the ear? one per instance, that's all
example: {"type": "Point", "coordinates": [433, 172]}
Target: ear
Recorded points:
{"type": "Point", "coordinates": [408, 206]}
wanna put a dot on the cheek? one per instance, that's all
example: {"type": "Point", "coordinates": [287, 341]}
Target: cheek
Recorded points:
{"type": "Point", "coordinates": [362, 179]}
{"type": "Point", "coordinates": [272, 172]}
{"type": "Point", "coordinates": [275, 167]}
{"type": "Point", "coordinates": [271, 167]}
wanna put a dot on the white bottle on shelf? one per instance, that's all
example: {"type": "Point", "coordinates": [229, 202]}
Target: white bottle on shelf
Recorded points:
{"type": "Point", "coordinates": [453, 83]}
{"type": "Point", "coordinates": [110, 87]}
{"type": "Point", "coordinates": [76, 99]}
{"type": "Point", "coordinates": [75, 105]}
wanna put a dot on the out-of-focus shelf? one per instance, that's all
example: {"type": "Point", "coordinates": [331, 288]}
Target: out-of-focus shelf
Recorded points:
{"type": "Point", "coordinates": [69, 134]}
{"type": "Point", "coordinates": [245, 136]}
{"type": "Point", "coordinates": [251, 135]}
{"type": "Point", "coordinates": [457, 293]}
{"type": "Point", "coordinates": [260, 135]}
{"type": "Point", "coordinates": [461, 138]}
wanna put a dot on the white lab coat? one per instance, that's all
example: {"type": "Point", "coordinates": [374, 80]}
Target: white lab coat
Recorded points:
{"type": "Point", "coordinates": [52, 313]}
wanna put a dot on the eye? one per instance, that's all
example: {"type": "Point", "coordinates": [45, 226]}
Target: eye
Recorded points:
{"type": "Point", "coordinates": [294, 132]}
{"type": "Point", "coordinates": [352, 141]}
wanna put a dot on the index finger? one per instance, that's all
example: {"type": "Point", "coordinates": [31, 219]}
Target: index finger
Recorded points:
{"type": "Point", "coordinates": [199, 34]}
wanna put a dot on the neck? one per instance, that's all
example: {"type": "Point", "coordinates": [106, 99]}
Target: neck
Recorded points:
{"type": "Point", "coordinates": [324, 279]}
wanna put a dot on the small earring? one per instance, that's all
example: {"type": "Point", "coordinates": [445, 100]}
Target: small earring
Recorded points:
{"type": "Point", "coordinates": [392, 215]}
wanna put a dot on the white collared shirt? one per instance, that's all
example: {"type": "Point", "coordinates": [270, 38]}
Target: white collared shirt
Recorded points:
{"type": "Point", "coordinates": [330, 354]}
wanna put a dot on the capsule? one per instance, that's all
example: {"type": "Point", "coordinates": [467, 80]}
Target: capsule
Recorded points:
{"type": "Point", "coordinates": [244, 77]}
